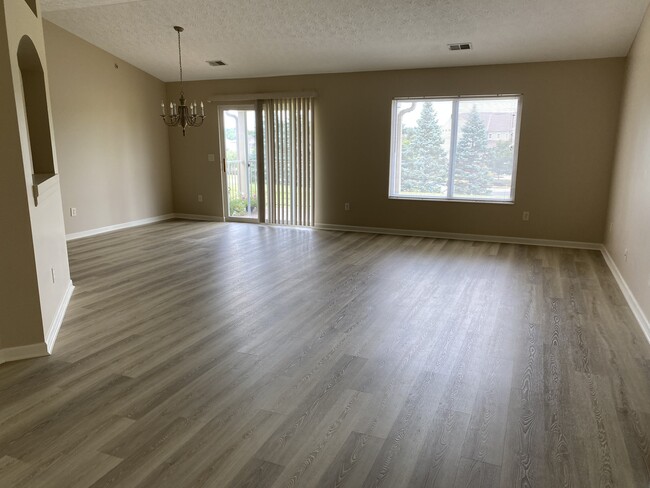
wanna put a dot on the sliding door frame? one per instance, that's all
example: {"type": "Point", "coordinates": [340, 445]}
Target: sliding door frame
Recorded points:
{"type": "Point", "coordinates": [242, 105]}
{"type": "Point", "coordinates": [260, 137]}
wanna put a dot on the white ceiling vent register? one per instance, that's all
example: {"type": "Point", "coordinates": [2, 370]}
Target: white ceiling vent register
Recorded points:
{"type": "Point", "coordinates": [216, 63]}
{"type": "Point", "coordinates": [460, 46]}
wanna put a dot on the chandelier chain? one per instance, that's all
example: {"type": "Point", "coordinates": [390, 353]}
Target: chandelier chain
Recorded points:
{"type": "Point", "coordinates": [180, 60]}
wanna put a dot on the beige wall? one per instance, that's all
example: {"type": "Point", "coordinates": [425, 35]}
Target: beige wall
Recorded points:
{"type": "Point", "coordinates": [33, 242]}
{"type": "Point", "coordinates": [629, 212]}
{"type": "Point", "coordinates": [112, 148]}
{"type": "Point", "coordinates": [568, 131]}
{"type": "Point", "coordinates": [18, 287]}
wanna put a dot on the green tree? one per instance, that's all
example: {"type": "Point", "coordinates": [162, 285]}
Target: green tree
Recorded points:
{"type": "Point", "coordinates": [472, 173]}
{"type": "Point", "coordinates": [424, 159]}
{"type": "Point", "coordinates": [501, 157]}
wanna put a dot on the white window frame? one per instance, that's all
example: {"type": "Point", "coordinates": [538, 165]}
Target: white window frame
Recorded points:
{"type": "Point", "coordinates": [393, 190]}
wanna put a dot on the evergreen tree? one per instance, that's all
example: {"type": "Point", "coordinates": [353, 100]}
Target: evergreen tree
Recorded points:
{"type": "Point", "coordinates": [424, 159]}
{"type": "Point", "coordinates": [502, 154]}
{"type": "Point", "coordinates": [472, 174]}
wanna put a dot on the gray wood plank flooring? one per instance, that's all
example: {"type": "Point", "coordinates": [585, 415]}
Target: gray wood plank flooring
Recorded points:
{"type": "Point", "coordinates": [234, 355]}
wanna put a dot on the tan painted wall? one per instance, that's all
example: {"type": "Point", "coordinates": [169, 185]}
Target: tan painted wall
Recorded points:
{"type": "Point", "coordinates": [34, 234]}
{"type": "Point", "coordinates": [629, 213]}
{"type": "Point", "coordinates": [112, 148]}
{"type": "Point", "coordinates": [19, 300]}
{"type": "Point", "coordinates": [568, 131]}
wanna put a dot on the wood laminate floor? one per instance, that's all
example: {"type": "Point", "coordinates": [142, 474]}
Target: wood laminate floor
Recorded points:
{"type": "Point", "coordinates": [234, 355]}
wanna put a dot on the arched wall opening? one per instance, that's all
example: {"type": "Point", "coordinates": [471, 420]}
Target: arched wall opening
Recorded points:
{"type": "Point", "coordinates": [35, 97]}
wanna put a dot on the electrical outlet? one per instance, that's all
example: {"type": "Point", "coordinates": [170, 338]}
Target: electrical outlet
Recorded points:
{"type": "Point", "coordinates": [347, 206]}
{"type": "Point", "coordinates": [73, 212]}
{"type": "Point", "coordinates": [525, 216]}
{"type": "Point", "coordinates": [53, 275]}
{"type": "Point", "coordinates": [200, 198]}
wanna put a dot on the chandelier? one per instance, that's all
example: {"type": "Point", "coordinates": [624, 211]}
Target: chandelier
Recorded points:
{"type": "Point", "coordinates": [182, 114]}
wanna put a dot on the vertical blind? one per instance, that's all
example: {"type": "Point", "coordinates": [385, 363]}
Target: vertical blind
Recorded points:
{"type": "Point", "coordinates": [289, 160]}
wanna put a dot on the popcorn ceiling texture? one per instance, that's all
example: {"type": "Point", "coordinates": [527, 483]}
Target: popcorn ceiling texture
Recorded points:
{"type": "Point", "coordinates": [280, 37]}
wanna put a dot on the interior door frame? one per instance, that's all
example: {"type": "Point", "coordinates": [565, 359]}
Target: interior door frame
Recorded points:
{"type": "Point", "coordinates": [255, 106]}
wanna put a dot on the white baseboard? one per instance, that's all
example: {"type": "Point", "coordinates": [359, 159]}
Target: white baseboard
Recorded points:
{"type": "Point", "coordinates": [23, 352]}
{"type": "Point", "coordinates": [58, 318]}
{"type": "Point", "coordinates": [42, 348]}
{"type": "Point", "coordinates": [462, 237]}
{"type": "Point", "coordinates": [207, 218]}
{"type": "Point", "coordinates": [627, 293]}
{"type": "Point", "coordinates": [136, 223]}
{"type": "Point", "coordinates": [111, 228]}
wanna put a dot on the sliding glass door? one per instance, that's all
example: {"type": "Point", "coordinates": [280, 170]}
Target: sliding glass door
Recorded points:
{"type": "Point", "coordinates": [267, 162]}
{"type": "Point", "coordinates": [239, 161]}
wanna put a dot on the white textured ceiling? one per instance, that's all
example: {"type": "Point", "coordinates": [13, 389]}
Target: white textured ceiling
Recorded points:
{"type": "Point", "coordinates": [280, 37]}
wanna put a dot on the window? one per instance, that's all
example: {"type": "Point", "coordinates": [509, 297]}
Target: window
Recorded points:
{"type": "Point", "coordinates": [455, 148]}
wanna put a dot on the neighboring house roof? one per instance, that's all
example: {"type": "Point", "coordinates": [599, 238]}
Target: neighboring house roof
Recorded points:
{"type": "Point", "coordinates": [493, 121]}
{"type": "Point", "coordinates": [498, 122]}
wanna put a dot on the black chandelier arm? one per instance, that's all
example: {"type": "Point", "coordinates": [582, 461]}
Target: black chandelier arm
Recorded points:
{"type": "Point", "coordinates": [171, 120]}
{"type": "Point", "coordinates": [196, 121]}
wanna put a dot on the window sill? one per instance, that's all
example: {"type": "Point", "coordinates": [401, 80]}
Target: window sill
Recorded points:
{"type": "Point", "coordinates": [450, 200]}
{"type": "Point", "coordinates": [43, 185]}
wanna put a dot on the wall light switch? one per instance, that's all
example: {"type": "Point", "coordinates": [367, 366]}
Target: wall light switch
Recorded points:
{"type": "Point", "coordinates": [200, 198]}
{"type": "Point", "coordinates": [347, 206]}
{"type": "Point", "coordinates": [211, 158]}
{"type": "Point", "coordinates": [525, 216]}
{"type": "Point", "coordinates": [73, 212]}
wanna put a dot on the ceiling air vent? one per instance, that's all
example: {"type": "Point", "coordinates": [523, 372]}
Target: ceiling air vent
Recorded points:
{"type": "Point", "coordinates": [216, 63]}
{"type": "Point", "coordinates": [460, 46]}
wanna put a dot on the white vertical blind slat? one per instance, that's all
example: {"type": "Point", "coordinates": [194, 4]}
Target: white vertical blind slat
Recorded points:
{"type": "Point", "coordinates": [283, 162]}
{"type": "Point", "coordinates": [290, 178]}
{"type": "Point", "coordinates": [296, 164]}
{"type": "Point", "coordinates": [278, 155]}
{"type": "Point", "coordinates": [301, 195]}
{"type": "Point", "coordinates": [310, 153]}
